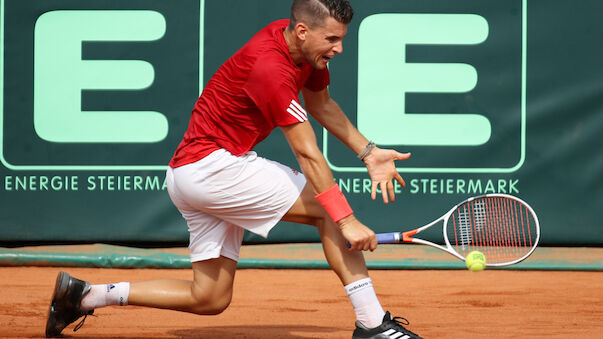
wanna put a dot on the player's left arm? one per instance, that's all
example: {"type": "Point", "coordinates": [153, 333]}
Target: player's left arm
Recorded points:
{"type": "Point", "coordinates": [379, 162]}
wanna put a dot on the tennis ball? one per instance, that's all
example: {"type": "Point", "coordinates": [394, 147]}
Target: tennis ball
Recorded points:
{"type": "Point", "coordinates": [476, 261]}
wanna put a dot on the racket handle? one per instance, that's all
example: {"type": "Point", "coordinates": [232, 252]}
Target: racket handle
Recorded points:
{"type": "Point", "coordinates": [388, 238]}
{"type": "Point", "coordinates": [385, 238]}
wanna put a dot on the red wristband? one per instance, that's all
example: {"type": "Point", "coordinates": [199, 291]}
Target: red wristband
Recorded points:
{"type": "Point", "coordinates": [334, 203]}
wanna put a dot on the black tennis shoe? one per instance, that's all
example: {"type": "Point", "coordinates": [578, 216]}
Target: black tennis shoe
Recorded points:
{"type": "Point", "coordinates": [389, 328]}
{"type": "Point", "coordinates": [65, 305]}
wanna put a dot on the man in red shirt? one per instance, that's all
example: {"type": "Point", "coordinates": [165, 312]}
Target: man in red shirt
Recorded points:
{"type": "Point", "coordinates": [221, 187]}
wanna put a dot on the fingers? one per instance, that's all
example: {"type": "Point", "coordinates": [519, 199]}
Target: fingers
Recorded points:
{"type": "Point", "coordinates": [367, 243]}
{"type": "Point", "coordinates": [399, 179]}
{"type": "Point", "coordinates": [384, 189]}
{"type": "Point", "coordinates": [359, 245]}
{"type": "Point", "coordinates": [390, 191]}
{"type": "Point", "coordinates": [373, 242]}
{"type": "Point", "coordinates": [387, 190]}
{"type": "Point", "coordinates": [374, 190]}
{"type": "Point", "coordinates": [402, 156]}
{"type": "Point", "coordinates": [382, 171]}
{"type": "Point", "coordinates": [359, 238]}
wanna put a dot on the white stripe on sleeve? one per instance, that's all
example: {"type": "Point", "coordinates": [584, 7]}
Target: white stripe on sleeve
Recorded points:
{"type": "Point", "coordinates": [299, 108]}
{"type": "Point", "coordinates": [297, 111]}
{"type": "Point", "coordinates": [296, 115]}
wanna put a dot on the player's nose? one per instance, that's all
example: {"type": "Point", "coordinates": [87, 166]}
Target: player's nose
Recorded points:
{"type": "Point", "coordinates": [338, 48]}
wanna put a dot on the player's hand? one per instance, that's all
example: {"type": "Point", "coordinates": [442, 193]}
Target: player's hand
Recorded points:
{"type": "Point", "coordinates": [381, 169]}
{"type": "Point", "coordinates": [358, 236]}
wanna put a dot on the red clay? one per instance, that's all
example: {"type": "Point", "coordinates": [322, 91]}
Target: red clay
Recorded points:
{"type": "Point", "coordinates": [312, 304]}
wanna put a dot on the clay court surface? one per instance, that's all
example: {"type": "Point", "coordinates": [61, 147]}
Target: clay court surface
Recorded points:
{"type": "Point", "coordinates": [312, 304]}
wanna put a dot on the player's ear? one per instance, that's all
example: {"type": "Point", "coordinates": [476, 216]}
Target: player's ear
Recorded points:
{"type": "Point", "coordinates": [301, 31]}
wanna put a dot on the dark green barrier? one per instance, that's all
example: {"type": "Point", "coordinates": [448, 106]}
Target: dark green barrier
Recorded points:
{"type": "Point", "coordinates": [489, 96]}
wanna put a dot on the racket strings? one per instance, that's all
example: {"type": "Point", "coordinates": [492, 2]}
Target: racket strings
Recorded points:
{"type": "Point", "coordinates": [501, 228]}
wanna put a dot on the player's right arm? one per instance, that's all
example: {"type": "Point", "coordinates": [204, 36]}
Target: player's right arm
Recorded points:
{"type": "Point", "coordinates": [273, 87]}
{"type": "Point", "coordinates": [302, 140]}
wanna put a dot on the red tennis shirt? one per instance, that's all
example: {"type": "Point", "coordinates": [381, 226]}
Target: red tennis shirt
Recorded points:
{"type": "Point", "coordinates": [254, 91]}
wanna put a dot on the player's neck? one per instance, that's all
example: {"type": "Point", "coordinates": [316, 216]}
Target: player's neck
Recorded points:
{"type": "Point", "coordinates": [294, 50]}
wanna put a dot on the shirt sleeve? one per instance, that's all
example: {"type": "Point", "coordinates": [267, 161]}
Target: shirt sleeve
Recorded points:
{"type": "Point", "coordinates": [275, 94]}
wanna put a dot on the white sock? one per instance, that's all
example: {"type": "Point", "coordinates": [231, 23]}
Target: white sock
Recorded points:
{"type": "Point", "coordinates": [106, 295]}
{"type": "Point", "coordinates": [366, 305]}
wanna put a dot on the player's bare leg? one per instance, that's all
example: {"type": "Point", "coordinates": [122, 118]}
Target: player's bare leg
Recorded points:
{"type": "Point", "coordinates": [348, 265]}
{"type": "Point", "coordinates": [351, 268]}
{"type": "Point", "coordinates": [209, 293]}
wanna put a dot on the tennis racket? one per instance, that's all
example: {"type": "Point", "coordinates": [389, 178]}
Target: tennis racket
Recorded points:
{"type": "Point", "coordinates": [503, 227]}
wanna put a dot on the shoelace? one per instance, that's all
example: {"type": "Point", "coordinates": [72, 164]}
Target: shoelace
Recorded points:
{"type": "Point", "coordinates": [81, 323]}
{"type": "Point", "coordinates": [401, 321]}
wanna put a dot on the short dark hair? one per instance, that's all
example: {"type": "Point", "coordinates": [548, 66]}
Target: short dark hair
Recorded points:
{"type": "Point", "coordinates": [315, 12]}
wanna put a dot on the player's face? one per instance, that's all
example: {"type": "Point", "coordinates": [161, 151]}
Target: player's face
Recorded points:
{"type": "Point", "coordinates": [324, 42]}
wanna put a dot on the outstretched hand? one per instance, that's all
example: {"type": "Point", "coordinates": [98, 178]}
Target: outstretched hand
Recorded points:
{"type": "Point", "coordinates": [382, 169]}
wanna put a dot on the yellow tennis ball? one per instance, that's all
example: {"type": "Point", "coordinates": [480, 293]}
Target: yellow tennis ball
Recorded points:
{"type": "Point", "coordinates": [475, 261]}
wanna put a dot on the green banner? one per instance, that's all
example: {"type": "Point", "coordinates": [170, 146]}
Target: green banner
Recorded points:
{"type": "Point", "coordinates": [489, 96]}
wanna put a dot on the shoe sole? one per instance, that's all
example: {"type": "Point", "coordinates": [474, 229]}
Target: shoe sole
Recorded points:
{"type": "Point", "coordinates": [60, 290]}
{"type": "Point", "coordinates": [61, 286]}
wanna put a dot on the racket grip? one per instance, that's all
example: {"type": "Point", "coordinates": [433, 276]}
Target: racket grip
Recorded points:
{"type": "Point", "coordinates": [385, 238]}
{"type": "Point", "coordinates": [388, 238]}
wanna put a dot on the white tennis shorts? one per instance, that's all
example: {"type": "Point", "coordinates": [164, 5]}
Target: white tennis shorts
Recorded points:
{"type": "Point", "coordinates": [222, 195]}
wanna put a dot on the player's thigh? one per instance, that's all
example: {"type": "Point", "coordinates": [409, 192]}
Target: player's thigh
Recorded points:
{"type": "Point", "coordinates": [306, 209]}
{"type": "Point", "coordinates": [248, 191]}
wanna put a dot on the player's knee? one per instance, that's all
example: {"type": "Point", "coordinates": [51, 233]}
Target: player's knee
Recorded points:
{"type": "Point", "coordinates": [211, 303]}
{"type": "Point", "coordinates": [221, 304]}
{"type": "Point", "coordinates": [217, 306]}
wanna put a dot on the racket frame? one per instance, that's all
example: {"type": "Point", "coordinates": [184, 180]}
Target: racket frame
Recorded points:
{"type": "Point", "coordinates": [407, 237]}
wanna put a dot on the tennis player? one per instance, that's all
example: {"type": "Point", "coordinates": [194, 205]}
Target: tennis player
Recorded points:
{"type": "Point", "coordinates": [221, 187]}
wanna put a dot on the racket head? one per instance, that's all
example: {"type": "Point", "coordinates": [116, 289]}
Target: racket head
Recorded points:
{"type": "Point", "coordinates": [503, 227]}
